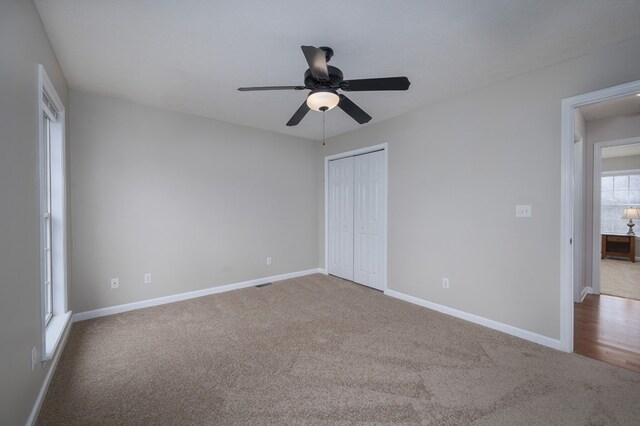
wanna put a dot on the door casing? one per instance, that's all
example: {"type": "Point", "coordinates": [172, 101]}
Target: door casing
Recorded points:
{"type": "Point", "coordinates": [597, 206]}
{"type": "Point", "coordinates": [567, 120]}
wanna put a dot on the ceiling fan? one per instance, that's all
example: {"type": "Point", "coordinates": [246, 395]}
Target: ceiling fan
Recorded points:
{"type": "Point", "coordinates": [324, 81]}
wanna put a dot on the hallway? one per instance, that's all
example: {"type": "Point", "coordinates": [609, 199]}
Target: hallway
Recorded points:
{"type": "Point", "coordinates": [607, 328]}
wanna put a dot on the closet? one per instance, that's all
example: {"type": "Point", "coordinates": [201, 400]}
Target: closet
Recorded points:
{"type": "Point", "coordinates": [356, 222]}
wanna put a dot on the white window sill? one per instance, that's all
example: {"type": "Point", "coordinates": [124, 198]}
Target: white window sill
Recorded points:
{"type": "Point", "coordinates": [55, 329]}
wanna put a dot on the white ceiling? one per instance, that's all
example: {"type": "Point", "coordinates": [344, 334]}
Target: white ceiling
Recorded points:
{"type": "Point", "coordinates": [628, 105]}
{"type": "Point", "coordinates": [191, 55]}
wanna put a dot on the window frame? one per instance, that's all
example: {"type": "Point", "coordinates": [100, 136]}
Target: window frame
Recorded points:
{"type": "Point", "coordinates": [46, 217]}
{"type": "Point", "coordinates": [54, 313]}
{"type": "Point", "coordinates": [616, 173]}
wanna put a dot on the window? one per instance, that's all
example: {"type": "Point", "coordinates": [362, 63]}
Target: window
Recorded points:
{"type": "Point", "coordinates": [46, 215]}
{"type": "Point", "coordinates": [55, 316]}
{"type": "Point", "coordinates": [619, 191]}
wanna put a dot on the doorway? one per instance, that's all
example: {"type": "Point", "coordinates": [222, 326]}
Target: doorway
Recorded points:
{"type": "Point", "coordinates": [606, 312]}
{"type": "Point", "coordinates": [607, 325]}
{"type": "Point", "coordinates": [616, 195]}
{"type": "Point", "coordinates": [568, 129]}
{"type": "Point", "coordinates": [356, 216]}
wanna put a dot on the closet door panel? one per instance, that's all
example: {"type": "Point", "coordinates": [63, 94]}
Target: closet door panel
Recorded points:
{"type": "Point", "coordinates": [361, 208]}
{"type": "Point", "coordinates": [341, 218]}
{"type": "Point", "coordinates": [369, 213]}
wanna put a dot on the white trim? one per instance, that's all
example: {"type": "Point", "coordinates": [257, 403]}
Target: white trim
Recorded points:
{"type": "Point", "coordinates": [585, 291]}
{"type": "Point", "coordinates": [596, 212]}
{"type": "Point", "coordinates": [55, 329]}
{"type": "Point", "coordinates": [59, 202]}
{"type": "Point", "coordinates": [359, 151]}
{"type": "Point", "coordinates": [495, 325]}
{"type": "Point", "coordinates": [49, 88]}
{"type": "Point", "coordinates": [101, 312]}
{"type": "Point", "coordinates": [566, 198]}
{"type": "Point", "coordinates": [579, 237]}
{"type": "Point", "coordinates": [33, 416]}
{"type": "Point", "coordinates": [380, 147]}
{"type": "Point", "coordinates": [42, 76]}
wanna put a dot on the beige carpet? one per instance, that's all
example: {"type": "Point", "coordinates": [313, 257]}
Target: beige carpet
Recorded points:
{"type": "Point", "coordinates": [620, 278]}
{"type": "Point", "coordinates": [319, 350]}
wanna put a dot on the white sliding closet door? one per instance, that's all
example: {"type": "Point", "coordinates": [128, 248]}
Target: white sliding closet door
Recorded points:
{"type": "Point", "coordinates": [356, 218]}
{"type": "Point", "coordinates": [341, 218]}
{"type": "Point", "coordinates": [369, 210]}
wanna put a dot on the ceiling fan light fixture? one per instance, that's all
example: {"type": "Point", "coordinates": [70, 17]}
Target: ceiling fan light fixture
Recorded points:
{"type": "Point", "coordinates": [322, 99]}
{"type": "Point", "coordinates": [325, 80]}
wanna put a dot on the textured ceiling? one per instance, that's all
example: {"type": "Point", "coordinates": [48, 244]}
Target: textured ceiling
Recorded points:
{"type": "Point", "coordinates": [191, 55]}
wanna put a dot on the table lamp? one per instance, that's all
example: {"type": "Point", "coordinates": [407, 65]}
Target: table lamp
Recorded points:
{"type": "Point", "coordinates": [631, 213]}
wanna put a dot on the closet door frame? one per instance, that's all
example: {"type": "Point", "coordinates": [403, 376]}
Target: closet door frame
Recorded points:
{"type": "Point", "coordinates": [381, 147]}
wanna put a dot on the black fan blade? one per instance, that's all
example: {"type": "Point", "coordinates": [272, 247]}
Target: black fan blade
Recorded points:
{"type": "Point", "coordinates": [366, 84]}
{"type": "Point", "coordinates": [248, 89]}
{"type": "Point", "coordinates": [353, 110]}
{"type": "Point", "coordinates": [317, 60]}
{"type": "Point", "coordinates": [299, 115]}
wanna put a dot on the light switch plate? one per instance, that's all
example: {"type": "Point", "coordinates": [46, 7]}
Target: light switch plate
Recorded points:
{"type": "Point", "coordinates": [445, 282]}
{"type": "Point", "coordinates": [523, 210]}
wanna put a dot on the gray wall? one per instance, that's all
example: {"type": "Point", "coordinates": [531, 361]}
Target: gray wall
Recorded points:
{"type": "Point", "coordinates": [456, 171]}
{"type": "Point", "coordinates": [197, 202]}
{"type": "Point", "coordinates": [23, 45]}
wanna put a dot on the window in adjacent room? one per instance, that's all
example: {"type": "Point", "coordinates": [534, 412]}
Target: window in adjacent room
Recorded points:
{"type": "Point", "coordinates": [619, 191]}
{"type": "Point", "coordinates": [55, 315]}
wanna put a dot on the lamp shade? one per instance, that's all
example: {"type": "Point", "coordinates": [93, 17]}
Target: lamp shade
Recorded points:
{"type": "Point", "coordinates": [631, 213]}
{"type": "Point", "coordinates": [322, 99]}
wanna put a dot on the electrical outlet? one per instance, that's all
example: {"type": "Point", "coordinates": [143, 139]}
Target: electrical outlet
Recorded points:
{"type": "Point", "coordinates": [445, 282]}
{"type": "Point", "coordinates": [147, 278]}
{"type": "Point", "coordinates": [269, 260]}
{"type": "Point", "coordinates": [115, 283]}
{"type": "Point", "coordinates": [34, 357]}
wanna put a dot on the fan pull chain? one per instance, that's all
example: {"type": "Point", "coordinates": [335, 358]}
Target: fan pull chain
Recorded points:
{"type": "Point", "coordinates": [323, 140]}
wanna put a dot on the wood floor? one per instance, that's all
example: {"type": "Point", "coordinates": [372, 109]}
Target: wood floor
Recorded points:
{"type": "Point", "coordinates": [607, 328]}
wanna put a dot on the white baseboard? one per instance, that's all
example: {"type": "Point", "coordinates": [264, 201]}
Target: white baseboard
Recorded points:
{"type": "Point", "coordinates": [585, 291]}
{"type": "Point", "coordinates": [33, 416]}
{"type": "Point", "coordinates": [101, 312]}
{"type": "Point", "coordinates": [514, 331]}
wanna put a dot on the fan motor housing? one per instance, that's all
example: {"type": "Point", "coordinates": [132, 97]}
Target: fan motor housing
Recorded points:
{"type": "Point", "coordinates": [335, 77]}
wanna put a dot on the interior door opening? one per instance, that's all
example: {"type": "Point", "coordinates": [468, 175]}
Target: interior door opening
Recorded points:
{"type": "Point", "coordinates": [568, 126]}
{"type": "Point", "coordinates": [606, 273]}
{"type": "Point", "coordinates": [356, 195]}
